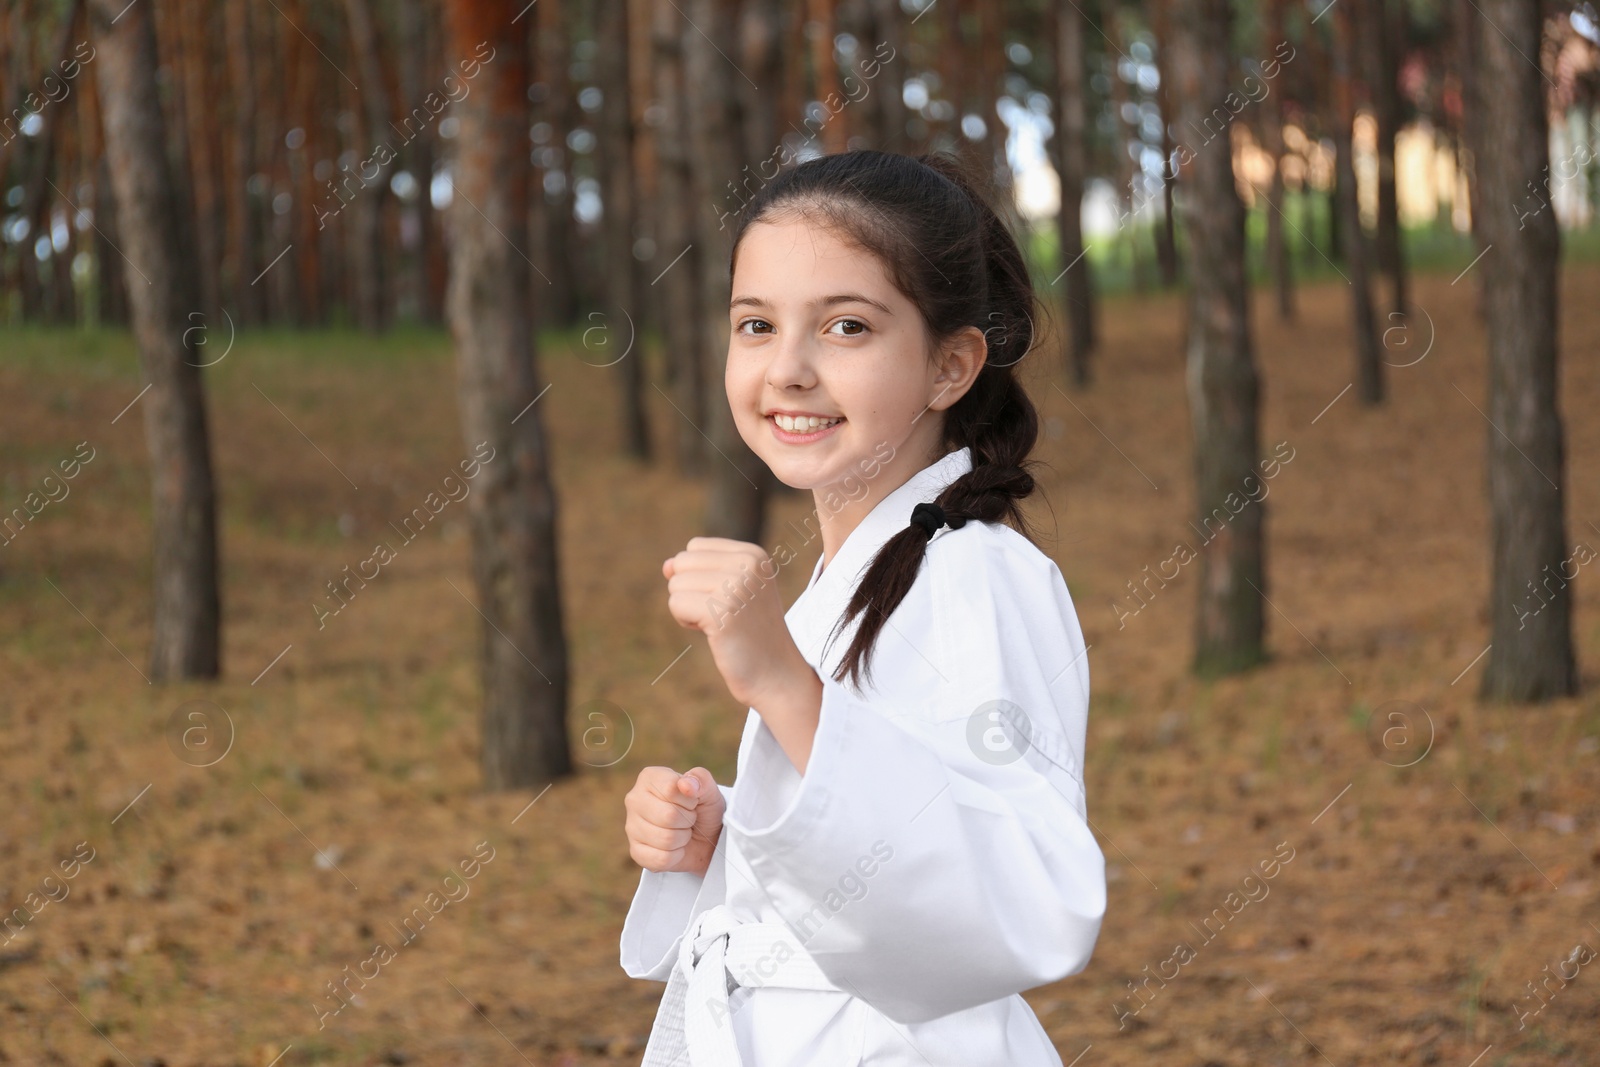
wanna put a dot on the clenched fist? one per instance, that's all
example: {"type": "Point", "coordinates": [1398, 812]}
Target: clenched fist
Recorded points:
{"type": "Point", "coordinates": [728, 590]}
{"type": "Point", "coordinates": [674, 819]}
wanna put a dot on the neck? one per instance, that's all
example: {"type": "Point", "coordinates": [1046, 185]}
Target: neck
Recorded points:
{"type": "Point", "coordinates": [839, 512]}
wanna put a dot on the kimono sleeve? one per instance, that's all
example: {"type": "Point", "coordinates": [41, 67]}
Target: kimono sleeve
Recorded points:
{"type": "Point", "coordinates": [930, 861]}
{"type": "Point", "coordinates": [662, 907]}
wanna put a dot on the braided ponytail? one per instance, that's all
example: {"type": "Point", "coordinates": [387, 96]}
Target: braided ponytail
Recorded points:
{"type": "Point", "coordinates": [950, 253]}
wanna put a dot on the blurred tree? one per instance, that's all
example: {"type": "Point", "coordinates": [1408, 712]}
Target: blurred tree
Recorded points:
{"type": "Point", "coordinates": [198, 140]}
{"type": "Point", "coordinates": [40, 156]}
{"type": "Point", "coordinates": [1369, 362]}
{"type": "Point", "coordinates": [881, 29]}
{"type": "Point", "coordinates": [1278, 263]}
{"type": "Point", "coordinates": [373, 167]}
{"type": "Point", "coordinates": [1076, 280]}
{"type": "Point", "coordinates": [514, 553]}
{"type": "Point", "coordinates": [1223, 386]}
{"type": "Point", "coordinates": [240, 261]}
{"type": "Point", "coordinates": [820, 32]}
{"type": "Point", "coordinates": [623, 316]}
{"type": "Point", "coordinates": [738, 479]}
{"type": "Point", "coordinates": [1166, 230]}
{"type": "Point", "coordinates": [1530, 601]}
{"type": "Point", "coordinates": [678, 259]}
{"type": "Point", "coordinates": [186, 633]}
{"type": "Point", "coordinates": [557, 250]}
{"type": "Point", "coordinates": [416, 58]}
{"type": "Point", "coordinates": [1386, 22]}
{"type": "Point", "coordinates": [1120, 35]}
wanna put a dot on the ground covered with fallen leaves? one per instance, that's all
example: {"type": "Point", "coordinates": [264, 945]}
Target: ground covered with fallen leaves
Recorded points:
{"type": "Point", "coordinates": [1439, 905]}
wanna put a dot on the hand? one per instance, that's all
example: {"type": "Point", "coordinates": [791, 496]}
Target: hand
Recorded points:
{"type": "Point", "coordinates": [674, 819]}
{"type": "Point", "coordinates": [728, 590]}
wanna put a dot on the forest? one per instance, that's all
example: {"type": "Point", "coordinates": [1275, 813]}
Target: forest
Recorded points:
{"type": "Point", "coordinates": [363, 358]}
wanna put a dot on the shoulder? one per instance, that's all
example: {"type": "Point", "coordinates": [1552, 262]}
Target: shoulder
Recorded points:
{"type": "Point", "coordinates": [1009, 636]}
{"type": "Point", "coordinates": [983, 563]}
{"type": "Point", "coordinates": [996, 596]}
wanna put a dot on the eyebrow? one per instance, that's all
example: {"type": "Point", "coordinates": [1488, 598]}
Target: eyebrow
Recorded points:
{"type": "Point", "coordinates": [826, 301]}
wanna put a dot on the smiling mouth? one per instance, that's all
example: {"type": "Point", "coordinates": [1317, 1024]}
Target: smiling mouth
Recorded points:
{"type": "Point", "coordinates": [804, 423]}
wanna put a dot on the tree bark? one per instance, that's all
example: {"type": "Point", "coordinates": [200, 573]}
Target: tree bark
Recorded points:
{"type": "Point", "coordinates": [737, 477]}
{"type": "Point", "coordinates": [1369, 360]}
{"type": "Point", "coordinates": [202, 142]}
{"type": "Point", "coordinates": [885, 111]}
{"type": "Point", "coordinates": [560, 289]}
{"type": "Point", "coordinates": [1166, 231]}
{"type": "Point", "coordinates": [366, 222]}
{"type": "Point", "coordinates": [623, 350]}
{"type": "Point", "coordinates": [820, 30]}
{"type": "Point", "coordinates": [677, 263]}
{"type": "Point", "coordinates": [186, 639]}
{"type": "Point", "coordinates": [416, 35]}
{"type": "Point", "coordinates": [1222, 384]}
{"type": "Point", "coordinates": [513, 511]}
{"type": "Point", "coordinates": [40, 162]}
{"type": "Point", "coordinates": [1387, 21]}
{"type": "Point", "coordinates": [240, 263]}
{"type": "Point", "coordinates": [1272, 140]}
{"type": "Point", "coordinates": [1077, 284]}
{"type": "Point", "coordinates": [1530, 600]}
{"type": "Point", "coordinates": [1125, 169]}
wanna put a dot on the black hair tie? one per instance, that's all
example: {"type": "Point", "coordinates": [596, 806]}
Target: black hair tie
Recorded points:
{"type": "Point", "coordinates": [930, 517]}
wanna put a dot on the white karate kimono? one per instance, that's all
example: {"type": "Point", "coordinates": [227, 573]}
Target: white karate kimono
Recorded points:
{"type": "Point", "coordinates": [888, 907]}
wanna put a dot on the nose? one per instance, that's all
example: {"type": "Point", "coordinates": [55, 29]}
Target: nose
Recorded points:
{"type": "Point", "coordinates": [791, 365]}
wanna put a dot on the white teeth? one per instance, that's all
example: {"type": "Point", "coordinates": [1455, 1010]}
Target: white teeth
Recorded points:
{"type": "Point", "coordinates": [803, 423]}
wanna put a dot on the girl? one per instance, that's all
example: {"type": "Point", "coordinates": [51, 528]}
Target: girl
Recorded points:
{"type": "Point", "coordinates": [905, 848]}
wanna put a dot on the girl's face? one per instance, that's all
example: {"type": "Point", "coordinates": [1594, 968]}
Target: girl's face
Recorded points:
{"type": "Point", "coordinates": [821, 335]}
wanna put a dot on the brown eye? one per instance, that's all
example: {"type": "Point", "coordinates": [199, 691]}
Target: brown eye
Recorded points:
{"type": "Point", "coordinates": [849, 327]}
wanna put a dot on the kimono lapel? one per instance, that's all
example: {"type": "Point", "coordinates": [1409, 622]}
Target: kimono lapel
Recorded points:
{"type": "Point", "coordinates": [819, 608]}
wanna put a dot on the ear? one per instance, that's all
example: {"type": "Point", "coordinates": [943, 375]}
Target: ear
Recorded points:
{"type": "Point", "coordinates": [961, 357]}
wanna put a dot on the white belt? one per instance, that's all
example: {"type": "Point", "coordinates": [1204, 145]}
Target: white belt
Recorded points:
{"type": "Point", "coordinates": [720, 952]}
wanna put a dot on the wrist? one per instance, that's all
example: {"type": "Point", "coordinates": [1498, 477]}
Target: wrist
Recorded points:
{"type": "Point", "coordinates": [796, 687]}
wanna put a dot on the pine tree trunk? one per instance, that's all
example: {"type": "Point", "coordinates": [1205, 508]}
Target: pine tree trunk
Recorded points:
{"type": "Point", "coordinates": [199, 114]}
{"type": "Point", "coordinates": [416, 33]}
{"type": "Point", "coordinates": [1369, 364]}
{"type": "Point", "coordinates": [1272, 140]}
{"type": "Point", "coordinates": [991, 62]}
{"type": "Point", "coordinates": [560, 261]}
{"type": "Point", "coordinates": [38, 297]}
{"type": "Point", "coordinates": [1222, 383]}
{"type": "Point", "coordinates": [1166, 230]}
{"type": "Point", "coordinates": [1127, 201]}
{"type": "Point", "coordinates": [1387, 23]}
{"type": "Point", "coordinates": [513, 507]}
{"type": "Point", "coordinates": [240, 263]}
{"type": "Point", "coordinates": [820, 32]}
{"type": "Point", "coordinates": [366, 217]}
{"type": "Point", "coordinates": [676, 269]}
{"type": "Point", "coordinates": [622, 353]}
{"type": "Point", "coordinates": [737, 477]}
{"type": "Point", "coordinates": [187, 606]}
{"type": "Point", "coordinates": [761, 57]}
{"type": "Point", "coordinates": [885, 99]}
{"type": "Point", "coordinates": [1530, 600]}
{"type": "Point", "coordinates": [1076, 282]}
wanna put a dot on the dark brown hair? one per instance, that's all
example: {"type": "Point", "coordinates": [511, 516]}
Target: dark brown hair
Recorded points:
{"type": "Point", "coordinates": [946, 249]}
